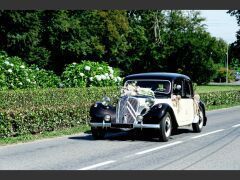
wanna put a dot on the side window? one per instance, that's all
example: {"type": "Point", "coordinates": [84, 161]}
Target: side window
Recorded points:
{"type": "Point", "coordinates": [187, 89]}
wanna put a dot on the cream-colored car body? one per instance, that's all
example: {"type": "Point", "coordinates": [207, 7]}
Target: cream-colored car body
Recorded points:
{"type": "Point", "coordinates": [185, 110]}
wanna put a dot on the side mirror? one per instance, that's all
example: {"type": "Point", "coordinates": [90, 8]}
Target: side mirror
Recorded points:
{"type": "Point", "coordinates": [179, 87]}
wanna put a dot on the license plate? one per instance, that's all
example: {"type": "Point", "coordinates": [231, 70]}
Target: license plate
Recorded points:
{"type": "Point", "coordinates": [122, 125]}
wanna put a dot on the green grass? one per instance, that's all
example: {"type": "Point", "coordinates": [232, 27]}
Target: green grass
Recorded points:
{"type": "Point", "coordinates": [221, 106]}
{"type": "Point", "coordinates": [214, 88]}
{"type": "Point", "coordinates": [44, 135]}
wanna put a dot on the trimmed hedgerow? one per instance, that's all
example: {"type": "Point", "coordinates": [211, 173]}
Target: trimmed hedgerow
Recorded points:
{"type": "Point", "coordinates": [35, 111]}
{"type": "Point", "coordinates": [220, 98]}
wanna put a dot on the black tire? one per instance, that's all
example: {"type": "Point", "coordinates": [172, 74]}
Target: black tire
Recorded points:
{"type": "Point", "coordinates": [165, 128]}
{"type": "Point", "coordinates": [197, 127]}
{"type": "Point", "coordinates": [98, 133]}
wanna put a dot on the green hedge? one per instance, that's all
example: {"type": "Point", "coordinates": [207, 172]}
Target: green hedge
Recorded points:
{"type": "Point", "coordinates": [220, 98]}
{"type": "Point", "coordinates": [36, 111]}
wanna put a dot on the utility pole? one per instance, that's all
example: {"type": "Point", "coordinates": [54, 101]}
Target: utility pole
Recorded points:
{"type": "Point", "coordinates": [227, 65]}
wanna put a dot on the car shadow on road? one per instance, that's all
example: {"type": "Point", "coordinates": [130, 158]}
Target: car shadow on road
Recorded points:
{"type": "Point", "coordinates": [129, 136]}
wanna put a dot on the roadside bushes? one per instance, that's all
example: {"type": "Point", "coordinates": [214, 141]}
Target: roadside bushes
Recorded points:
{"type": "Point", "coordinates": [221, 75]}
{"type": "Point", "coordinates": [38, 110]}
{"type": "Point", "coordinates": [221, 98]}
{"type": "Point", "coordinates": [89, 73]}
{"type": "Point", "coordinates": [15, 74]}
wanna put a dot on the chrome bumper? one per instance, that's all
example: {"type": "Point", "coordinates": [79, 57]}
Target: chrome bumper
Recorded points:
{"type": "Point", "coordinates": [108, 125]}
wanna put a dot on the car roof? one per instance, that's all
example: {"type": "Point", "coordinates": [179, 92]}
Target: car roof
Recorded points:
{"type": "Point", "coordinates": [156, 75]}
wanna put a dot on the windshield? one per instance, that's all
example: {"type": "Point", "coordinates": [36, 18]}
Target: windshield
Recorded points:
{"type": "Point", "coordinates": [159, 87]}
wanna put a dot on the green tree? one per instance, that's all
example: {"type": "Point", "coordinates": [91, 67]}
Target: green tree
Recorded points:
{"type": "Point", "coordinates": [20, 34]}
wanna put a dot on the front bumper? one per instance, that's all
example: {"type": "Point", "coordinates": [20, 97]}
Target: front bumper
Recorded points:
{"type": "Point", "coordinates": [133, 126]}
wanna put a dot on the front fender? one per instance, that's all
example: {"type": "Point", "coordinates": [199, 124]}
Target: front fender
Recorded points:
{"type": "Point", "coordinates": [157, 112]}
{"type": "Point", "coordinates": [98, 111]}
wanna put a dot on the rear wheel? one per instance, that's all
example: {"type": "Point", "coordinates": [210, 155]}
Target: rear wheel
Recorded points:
{"type": "Point", "coordinates": [98, 133]}
{"type": "Point", "coordinates": [165, 128]}
{"type": "Point", "coordinates": [197, 127]}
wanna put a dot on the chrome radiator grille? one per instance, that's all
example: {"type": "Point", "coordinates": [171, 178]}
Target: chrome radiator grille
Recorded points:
{"type": "Point", "coordinates": [126, 110]}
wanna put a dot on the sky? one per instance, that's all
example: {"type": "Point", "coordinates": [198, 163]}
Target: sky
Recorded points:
{"type": "Point", "coordinates": [220, 24]}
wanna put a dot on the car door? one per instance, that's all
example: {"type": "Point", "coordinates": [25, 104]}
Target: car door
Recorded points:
{"type": "Point", "coordinates": [187, 102]}
{"type": "Point", "coordinates": [183, 108]}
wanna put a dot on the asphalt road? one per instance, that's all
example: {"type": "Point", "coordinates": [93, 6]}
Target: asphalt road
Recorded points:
{"type": "Point", "coordinates": [217, 147]}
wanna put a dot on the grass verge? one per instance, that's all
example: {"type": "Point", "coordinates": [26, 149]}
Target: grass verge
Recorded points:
{"type": "Point", "coordinates": [44, 135]}
{"type": "Point", "coordinates": [222, 106]}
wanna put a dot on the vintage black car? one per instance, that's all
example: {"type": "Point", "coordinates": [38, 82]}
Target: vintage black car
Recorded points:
{"type": "Point", "coordinates": [159, 102]}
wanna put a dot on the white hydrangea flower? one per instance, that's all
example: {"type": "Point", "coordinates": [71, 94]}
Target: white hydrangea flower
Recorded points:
{"type": "Point", "coordinates": [61, 85]}
{"type": "Point", "coordinates": [107, 76]}
{"type": "Point", "coordinates": [98, 77]}
{"type": "Point", "coordinates": [115, 79]}
{"type": "Point", "coordinates": [9, 70]}
{"type": "Point", "coordinates": [91, 78]}
{"type": "Point", "coordinates": [12, 64]}
{"type": "Point", "coordinates": [81, 74]}
{"type": "Point", "coordinates": [111, 71]}
{"type": "Point", "coordinates": [111, 76]}
{"type": "Point", "coordinates": [87, 68]}
{"type": "Point", "coordinates": [103, 77]}
{"type": "Point", "coordinates": [28, 80]}
{"type": "Point", "coordinates": [74, 63]}
{"type": "Point", "coordinates": [118, 78]}
{"type": "Point", "coordinates": [22, 66]}
{"type": "Point", "coordinates": [37, 69]}
{"type": "Point", "coordinates": [20, 83]}
{"type": "Point", "coordinates": [6, 62]}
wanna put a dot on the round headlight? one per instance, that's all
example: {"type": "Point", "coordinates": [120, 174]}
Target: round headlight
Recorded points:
{"type": "Point", "coordinates": [139, 118]}
{"type": "Point", "coordinates": [107, 117]}
{"type": "Point", "coordinates": [150, 101]}
{"type": "Point", "coordinates": [106, 100]}
{"type": "Point", "coordinates": [160, 106]}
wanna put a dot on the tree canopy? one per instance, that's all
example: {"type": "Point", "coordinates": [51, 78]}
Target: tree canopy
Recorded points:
{"type": "Point", "coordinates": [135, 41]}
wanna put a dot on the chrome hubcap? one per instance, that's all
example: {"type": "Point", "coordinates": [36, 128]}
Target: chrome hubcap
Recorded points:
{"type": "Point", "coordinates": [200, 120]}
{"type": "Point", "coordinates": [168, 126]}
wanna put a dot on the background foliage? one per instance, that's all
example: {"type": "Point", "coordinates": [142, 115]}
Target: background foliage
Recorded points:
{"type": "Point", "coordinates": [135, 41]}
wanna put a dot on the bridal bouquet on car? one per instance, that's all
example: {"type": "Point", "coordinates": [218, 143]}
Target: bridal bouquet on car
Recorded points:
{"type": "Point", "coordinates": [134, 90]}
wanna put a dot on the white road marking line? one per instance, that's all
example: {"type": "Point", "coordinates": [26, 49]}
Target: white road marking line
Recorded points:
{"type": "Point", "coordinates": [237, 125]}
{"type": "Point", "coordinates": [97, 165]}
{"type": "Point", "coordinates": [207, 133]}
{"type": "Point", "coordinates": [157, 148]}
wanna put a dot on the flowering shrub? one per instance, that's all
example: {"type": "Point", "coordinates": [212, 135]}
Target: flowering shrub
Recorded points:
{"type": "Point", "coordinates": [15, 74]}
{"type": "Point", "coordinates": [90, 74]}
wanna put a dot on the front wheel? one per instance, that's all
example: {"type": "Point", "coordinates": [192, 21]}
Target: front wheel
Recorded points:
{"type": "Point", "coordinates": [165, 128]}
{"type": "Point", "coordinates": [197, 127]}
{"type": "Point", "coordinates": [98, 133]}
